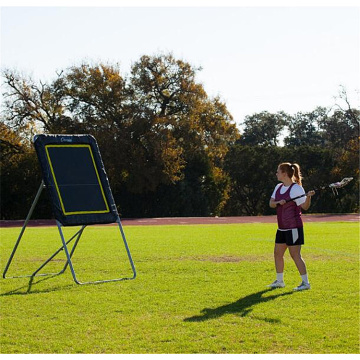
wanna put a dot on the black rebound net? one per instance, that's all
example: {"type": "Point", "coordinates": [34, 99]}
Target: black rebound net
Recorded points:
{"type": "Point", "coordinates": [74, 174]}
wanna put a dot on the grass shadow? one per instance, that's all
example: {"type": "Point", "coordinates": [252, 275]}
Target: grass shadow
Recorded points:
{"type": "Point", "coordinates": [242, 307]}
{"type": "Point", "coordinates": [27, 289]}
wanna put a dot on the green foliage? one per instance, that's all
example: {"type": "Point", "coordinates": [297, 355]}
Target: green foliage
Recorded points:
{"type": "Point", "coordinates": [168, 148]}
{"type": "Point", "coordinates": [20, 177]}
{"type": "Point", "coordinates": [264, 128]}
{"type": "Point", "coordinates": [149, 127]}
{"type": "Point", "coordinates": [304, 129]}
{"type": "Point", "coordinates": [252, 172]}
{"type": "Point", "coordinates": [251, 169]}
{"type": "Point", "coordinates": [200, 289]}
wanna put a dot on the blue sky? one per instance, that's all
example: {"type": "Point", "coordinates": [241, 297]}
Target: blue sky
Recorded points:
{"type": "Point", "coordinates": [255, 58]}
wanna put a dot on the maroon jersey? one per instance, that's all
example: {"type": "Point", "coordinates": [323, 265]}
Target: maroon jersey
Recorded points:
{"type": "Point", "coordinates": [289, 214]}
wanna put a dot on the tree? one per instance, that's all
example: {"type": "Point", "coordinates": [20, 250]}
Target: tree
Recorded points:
{"type": "Point", "coordinates": [10, 142]}
{"type": "Point", "coordinates": [264, 128]}
{"type": "Point", "coordinates": [350, 111]}
{"type": "Point", "coordinates": [96, 97]}
{"type": "Point", "coordinates": [252, 173]}
{"type": "Point", "coordinates": [304, 128]}
{"type": "Point", "coordinates": [20, 176]}
{"type": "Point", "coordinates": [150, 127]}
{"type": "Point", "coordinates": [339, 128]}
{"type": "Point", "coordinates": [171, 105]}
{"type": "Point", "coordinates": [30, 107]}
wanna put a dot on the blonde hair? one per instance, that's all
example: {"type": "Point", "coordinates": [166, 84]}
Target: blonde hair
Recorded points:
{"type": "Point", "coordinates": [292, 171]}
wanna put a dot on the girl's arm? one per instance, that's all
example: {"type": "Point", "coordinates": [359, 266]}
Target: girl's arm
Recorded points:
{"type": "Point", "coordinates": [307, 203]}
{"type": "Point", "coordinates": [273, 203]}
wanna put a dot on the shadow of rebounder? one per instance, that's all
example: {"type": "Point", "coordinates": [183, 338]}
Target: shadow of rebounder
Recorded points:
{"type": "Point", "coordinates": [74, 175]}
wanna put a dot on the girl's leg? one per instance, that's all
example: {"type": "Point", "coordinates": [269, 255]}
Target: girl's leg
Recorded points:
{"type": "Point", "coordinates": [295, 252]}
{"type": "Point", "coordinates": [279, 252]}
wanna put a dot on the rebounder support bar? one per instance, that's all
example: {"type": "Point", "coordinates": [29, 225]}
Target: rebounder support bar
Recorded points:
{"type": "Point", "coordinates": [33, 205]}
{"type": "Point", "coordinates": [69, 255]}
{"type": "Point", "coordinates": [64, 247]}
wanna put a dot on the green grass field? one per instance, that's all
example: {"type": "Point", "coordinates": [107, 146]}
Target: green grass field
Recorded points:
{"type": "Point", "coordinates": [199, 289]}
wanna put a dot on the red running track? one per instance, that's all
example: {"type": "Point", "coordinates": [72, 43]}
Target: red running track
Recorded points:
{"type": "Point", "coordinates": [198, 220]}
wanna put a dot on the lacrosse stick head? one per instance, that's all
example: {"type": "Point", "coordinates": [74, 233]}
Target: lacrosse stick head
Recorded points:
{"type": "Point", "coordinates": [339, 184]}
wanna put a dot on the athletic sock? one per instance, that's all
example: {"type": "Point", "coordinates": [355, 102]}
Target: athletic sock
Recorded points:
{"type": "Point", "coordinates": [305, 278]}
{"type": "Point", "coordinates": [280, 277]}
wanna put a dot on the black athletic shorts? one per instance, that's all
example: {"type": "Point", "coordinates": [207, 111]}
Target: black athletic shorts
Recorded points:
{"type": "Point", "coordinates": [290, 237]}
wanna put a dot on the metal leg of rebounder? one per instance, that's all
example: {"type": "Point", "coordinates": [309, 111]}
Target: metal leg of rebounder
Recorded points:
{"type": "Point", "coordinates": [78, 234]}
{"type": "Point", "coordinates": [69, 255]}
{"type": "Point", "coordinates": [42, 185]}
{"type": "Point", "coordinates": [127, 249]}
{"type": "Point", "coordinates": [64, 247]}
{"type": "Point", "coordinates": [35, 273]}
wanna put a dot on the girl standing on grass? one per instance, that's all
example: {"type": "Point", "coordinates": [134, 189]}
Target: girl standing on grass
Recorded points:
{"type": "Point", "coordinates": [290, 233]}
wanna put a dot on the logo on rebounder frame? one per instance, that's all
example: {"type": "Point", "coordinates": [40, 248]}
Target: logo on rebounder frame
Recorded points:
{"type": "Point", "coordinates": [65, 139]}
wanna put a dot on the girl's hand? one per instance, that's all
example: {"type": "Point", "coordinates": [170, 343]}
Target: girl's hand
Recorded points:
{"type": "Point", "coordinates": [281, 202]}
{"type": "Point", "coordinates": [310, 193]}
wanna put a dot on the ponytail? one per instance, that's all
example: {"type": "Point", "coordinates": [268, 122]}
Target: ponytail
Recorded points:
{"type": "Point", "coordinates": [297, 173]}
{"type": "Point", "coordinates": [293, 171]}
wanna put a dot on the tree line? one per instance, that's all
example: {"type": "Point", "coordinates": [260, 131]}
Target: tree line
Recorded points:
{"type": "Point", "coordinates": [169, 149]}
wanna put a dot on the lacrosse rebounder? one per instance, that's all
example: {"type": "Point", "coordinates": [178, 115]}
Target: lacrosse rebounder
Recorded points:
{"type": "Point", "coordinates": [74, 175]}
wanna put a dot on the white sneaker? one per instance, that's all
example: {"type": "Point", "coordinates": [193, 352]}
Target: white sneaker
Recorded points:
{"type": "Point", "coordinates": [303, 286]}
{"type": "Point", "coordinates": [277, 284]}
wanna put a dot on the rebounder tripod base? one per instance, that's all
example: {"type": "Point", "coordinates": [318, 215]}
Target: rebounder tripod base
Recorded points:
{"type": "Point", "coordinates": [64, 247]}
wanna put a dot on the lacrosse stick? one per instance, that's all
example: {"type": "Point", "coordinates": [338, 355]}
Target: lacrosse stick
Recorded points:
{"type": "Point", "coordinates": [333, 187]}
